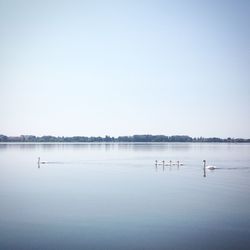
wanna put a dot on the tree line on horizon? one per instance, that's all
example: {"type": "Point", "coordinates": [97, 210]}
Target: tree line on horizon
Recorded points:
{"type": "Point", "coordinates": [134, 138]}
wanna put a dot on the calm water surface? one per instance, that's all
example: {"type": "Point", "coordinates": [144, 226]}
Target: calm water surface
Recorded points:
{"type": "Point", "coordinates": [112, 196]}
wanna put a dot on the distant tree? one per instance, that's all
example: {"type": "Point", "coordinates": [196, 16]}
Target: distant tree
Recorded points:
{"type": "Point", "coordinates": [134, 138]}
{"type": "Point", "coordinates": [3, 138]}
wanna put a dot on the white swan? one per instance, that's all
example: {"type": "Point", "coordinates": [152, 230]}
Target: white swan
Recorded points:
{"type": "Point", "coordinates": [41, 162]}
{"type": "Point", "coordinates": [179, 163]}
{"type": "Point", "coordinates": [169, 164]}
{"type": "Point", "coordinates": [209, 167]}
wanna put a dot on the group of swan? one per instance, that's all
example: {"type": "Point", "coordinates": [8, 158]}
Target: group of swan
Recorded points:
{"type": "Point", "coordinates": [210, 167]}
{"type": "Point", "coordinates": [169, 164]}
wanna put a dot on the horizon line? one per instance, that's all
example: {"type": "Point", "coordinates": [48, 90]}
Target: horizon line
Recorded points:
{"type": "Point", "coordinates": [121, 138]}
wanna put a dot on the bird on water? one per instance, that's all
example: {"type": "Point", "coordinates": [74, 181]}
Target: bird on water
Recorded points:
{"type": "Point", "coordinates": [40, 162]}
{"type": "Point", "coordinates": [208, 167]}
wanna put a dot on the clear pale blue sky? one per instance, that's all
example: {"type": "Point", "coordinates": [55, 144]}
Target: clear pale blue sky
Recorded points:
{"type": "Point", "coordinates": [125, 67]}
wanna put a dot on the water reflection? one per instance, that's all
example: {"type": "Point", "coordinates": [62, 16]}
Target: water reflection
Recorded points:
{"type": "Point", "coordinates": [204, 172]}
{"type": "Point", "coordinates": [108, 196]}
{"type": "Point", "coordinates": [101, 146]}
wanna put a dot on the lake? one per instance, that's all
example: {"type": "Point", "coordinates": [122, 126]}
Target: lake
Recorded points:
{"type": "Point", "coordinates": [113, 196]}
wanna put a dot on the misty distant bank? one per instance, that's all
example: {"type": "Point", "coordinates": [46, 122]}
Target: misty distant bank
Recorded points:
{"type": "Point", "coordinates": [134, 138]}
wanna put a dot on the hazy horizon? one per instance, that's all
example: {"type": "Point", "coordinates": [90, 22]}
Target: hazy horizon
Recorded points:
{"type": "Point", "coordinates": [97, 68]}
{"type": "Point", "coordinates": [116, 137]}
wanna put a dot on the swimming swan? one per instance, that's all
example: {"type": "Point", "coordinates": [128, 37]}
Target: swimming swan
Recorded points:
{"type": "Point", "coordinates": [41, 162]}
{"type": "Point", "coordinates": [179, 163]}
{"type": "Point", "coordinates": [209, 167]}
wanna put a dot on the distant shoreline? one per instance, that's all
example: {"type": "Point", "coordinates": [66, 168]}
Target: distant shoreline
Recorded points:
{"type": "Point", "coordinates": [120, 139]}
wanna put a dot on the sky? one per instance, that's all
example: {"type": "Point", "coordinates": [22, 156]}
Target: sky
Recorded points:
{"type": "Point", "coordinates": [99, 68]}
